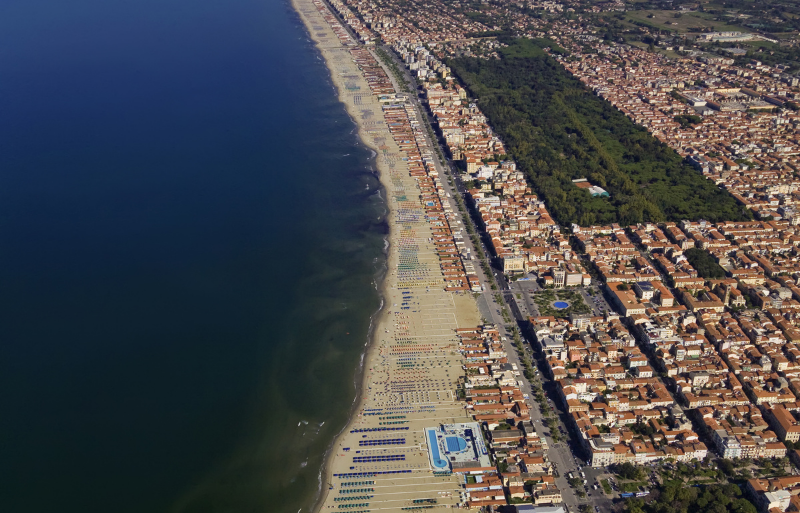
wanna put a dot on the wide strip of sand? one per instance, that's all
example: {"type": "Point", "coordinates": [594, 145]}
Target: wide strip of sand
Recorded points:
{"type": "Point", "coordinates": [412, 365]}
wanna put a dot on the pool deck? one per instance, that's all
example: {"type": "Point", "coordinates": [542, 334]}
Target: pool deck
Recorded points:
{"type": "Point", "coordinates": [457, 444]}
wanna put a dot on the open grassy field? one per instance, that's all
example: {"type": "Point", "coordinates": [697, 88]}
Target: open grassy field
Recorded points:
{"type": "Point", "coordinates": [666, 20]}
{"type": "Point", "coordinates": [758, 43]}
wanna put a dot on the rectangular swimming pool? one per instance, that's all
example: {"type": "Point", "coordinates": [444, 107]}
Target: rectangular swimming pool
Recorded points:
{"type": "Point", "coordinates": [433, 448]}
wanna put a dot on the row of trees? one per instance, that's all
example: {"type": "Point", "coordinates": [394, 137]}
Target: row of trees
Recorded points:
{"type": "Point", "coordinates": [558, 130]}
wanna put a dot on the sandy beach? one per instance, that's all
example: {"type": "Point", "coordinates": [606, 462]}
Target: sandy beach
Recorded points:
{"type": "Point", "coordinates": [380, 461]}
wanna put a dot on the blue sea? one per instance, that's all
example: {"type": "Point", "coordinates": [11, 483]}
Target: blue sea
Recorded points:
{"type": "Point", "coordinates": [190, 240]}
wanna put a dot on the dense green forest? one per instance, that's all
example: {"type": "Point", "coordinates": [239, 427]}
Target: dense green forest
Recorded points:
{"type": "Point", "coordinates": [705, 264]}
{"type": "Point", "coordinates": [558, 130]}
{"type": "Point", "coordinates": [677, 497]}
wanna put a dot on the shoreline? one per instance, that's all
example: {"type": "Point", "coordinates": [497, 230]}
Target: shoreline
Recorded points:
{"type": "Point", "coordinates": [379, 317]}
{"type": "Point", "coordinates": [423, 332]}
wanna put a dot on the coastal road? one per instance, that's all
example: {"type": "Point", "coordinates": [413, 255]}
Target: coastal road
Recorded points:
{"type": "Point", "coordinates": [491, 310]}
{"type": "Point", "coordinates": [492, 304]}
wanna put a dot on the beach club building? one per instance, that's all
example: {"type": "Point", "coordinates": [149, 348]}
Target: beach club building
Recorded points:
{"type": "Point", "coordinates": [458, 448]}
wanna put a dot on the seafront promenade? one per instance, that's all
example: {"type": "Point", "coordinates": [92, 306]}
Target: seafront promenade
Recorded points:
{"type": "Point", "coordinates": [381, 460]}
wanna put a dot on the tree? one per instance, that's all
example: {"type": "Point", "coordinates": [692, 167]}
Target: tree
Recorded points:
{"type": "Point", "coordinates": [717, 508]}
{"type": "Point", "coordinates": [743, 506]}
{"type": "Point", "coordinates": [629, 471]}
{"type": "Point", "coordinates": [731, 490]}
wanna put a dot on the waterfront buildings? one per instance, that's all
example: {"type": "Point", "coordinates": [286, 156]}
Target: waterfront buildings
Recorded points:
{"type": "Point", "coordinates": [696, 359]}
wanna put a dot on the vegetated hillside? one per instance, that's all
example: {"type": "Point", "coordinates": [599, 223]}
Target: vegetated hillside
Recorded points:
{"type": "Point", "coordinates": [558, 130]}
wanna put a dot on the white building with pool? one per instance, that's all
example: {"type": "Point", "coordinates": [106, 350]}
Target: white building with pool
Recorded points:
{"type": "Point", "coordinates": [458, 448]}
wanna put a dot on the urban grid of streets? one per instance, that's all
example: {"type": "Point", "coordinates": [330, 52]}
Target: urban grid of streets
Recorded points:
{"type": "Point", "coordinates": [517, 295]}
{"type": "Point", "coordinates": [561, 453]}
